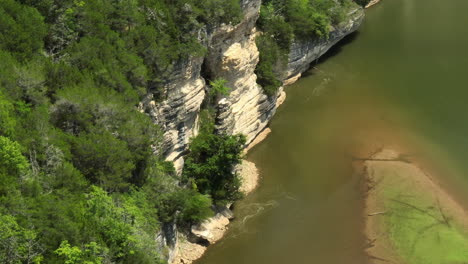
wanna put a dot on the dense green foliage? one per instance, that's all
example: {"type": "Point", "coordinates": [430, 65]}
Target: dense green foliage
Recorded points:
{"type": "Point", "coordinates": [80, 182]}
{"type": "Point", "coordinates": [218, 87]}
{"type": "Point", "coordinates": [217, 90]}
{"type": "Point", "coordinates": [209, 165]}
{"type": "Point", "coordinates": [282, 21]}
{"type": "Point", "coordinates": [272, 62]}
{"type": "Point", "coordinates": [22, 29]}
{"type": "Point", "coordinates": [17, 244]}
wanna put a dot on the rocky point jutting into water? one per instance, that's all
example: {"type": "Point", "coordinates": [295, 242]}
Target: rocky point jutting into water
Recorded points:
{"type": "Point", "coordinates": [232, 55]}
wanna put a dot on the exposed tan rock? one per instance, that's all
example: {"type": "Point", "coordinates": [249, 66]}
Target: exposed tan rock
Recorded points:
{"type": "Point", "coordinates": [371, 3]}
{"type": "Point", "coordinates": [233, 56]}
{"type": "Point", "coordinates": [260, 137]}
{"type": "Point", "coordinates": [214, 228]}
{"type": "Point", "coordinates": [177, 115]}
{"type": "Point", "coordinates": [281, 97]}
{"type": "Point", "coordinates": [292, 79]}
{"type": "Point", "coordinates": [249, 176]}
{"type": "Point", "coordinates": [211, 229]}
{"type": "Point", "coordinates": [188, 252]}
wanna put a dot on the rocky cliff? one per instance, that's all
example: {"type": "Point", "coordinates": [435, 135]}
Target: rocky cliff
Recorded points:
{"type": "Point", "coordinates": [232, 55]}
{"type": "Point", "coordinates": [177, 114]}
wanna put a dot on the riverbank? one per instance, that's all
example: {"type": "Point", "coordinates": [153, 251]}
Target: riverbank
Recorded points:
{"type": "Point", "coordinates": [409, 218]}
{"type": "Point", "coordinates": [212, 230]}
{"type": "Point", "coordinates": [192, 247]}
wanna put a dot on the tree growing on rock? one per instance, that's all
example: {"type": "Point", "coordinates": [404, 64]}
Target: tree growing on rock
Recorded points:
{"type": "Point", "coordinates": [209, 164]}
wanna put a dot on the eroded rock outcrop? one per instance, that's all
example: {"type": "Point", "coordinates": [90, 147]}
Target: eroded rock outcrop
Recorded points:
{"type": "Point", "coordinates": [233, 56]}
{"type": "Point", "coordinates": [177, 113]}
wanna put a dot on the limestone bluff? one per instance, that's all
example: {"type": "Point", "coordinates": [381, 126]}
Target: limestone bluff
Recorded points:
{"type": "Point", "coordinates": [232, 55]}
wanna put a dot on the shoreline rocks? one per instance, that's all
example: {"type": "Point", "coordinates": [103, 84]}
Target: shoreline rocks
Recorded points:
{"type": "Point", "coordinates": [213, 229]}
{"type": "Point", "coordinates": [249, 176]}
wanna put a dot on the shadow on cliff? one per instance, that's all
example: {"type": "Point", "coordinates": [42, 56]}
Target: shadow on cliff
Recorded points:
{"type": "Point", "coordinates": [333, 51]}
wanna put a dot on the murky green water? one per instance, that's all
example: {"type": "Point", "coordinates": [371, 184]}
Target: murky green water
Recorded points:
{"type": "Point", "coordinates": [400, 82]}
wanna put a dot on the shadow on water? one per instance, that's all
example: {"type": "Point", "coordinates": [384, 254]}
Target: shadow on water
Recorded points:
{"type": "Point", "coordinates": [333, 51]}
{"type": "Point", "coordinates": [338, 47]}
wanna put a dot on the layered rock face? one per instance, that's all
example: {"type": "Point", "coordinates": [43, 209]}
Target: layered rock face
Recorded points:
{"type": "Point", "coordinates": [177, 114]}
{"type": "Point", "coordinates": [233, 56]}
{"type": "Point", "coordinates": [303, 53]}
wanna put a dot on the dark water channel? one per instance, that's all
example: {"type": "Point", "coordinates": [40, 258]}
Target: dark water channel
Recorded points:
{"type": "Point", "coordinates": [400, 82]}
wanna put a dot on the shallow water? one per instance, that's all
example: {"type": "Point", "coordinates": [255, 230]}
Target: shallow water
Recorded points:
{"type": "Point", "coordinates": [399, 82]}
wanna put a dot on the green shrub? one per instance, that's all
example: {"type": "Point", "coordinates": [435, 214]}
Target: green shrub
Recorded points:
{"type": "Point", "coordinates": [272, 62]}
{"type": "Point", "coordinates": [12, 165]}
{"type": "Point", "coordinates": [7, 116]}
{"type": "Point", "coordinates": [104, 160]}
{"type": "Point", "coordinates": [174, 202]}
{"type": "Point", "coordinates": [18, 245]}
{"type": "Point", "coordinates": [217, 90]}
{"type": "Point", "coordinates": [91, 253]}
{"type": "Point", "coordinates": [22, 29]}
{"type": "Point", "coordinates": [218, 87]}
{"type": "Point", "coordinates": [209, 164]}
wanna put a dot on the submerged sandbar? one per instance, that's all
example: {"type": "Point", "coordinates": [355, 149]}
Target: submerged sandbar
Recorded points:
{"type": "Point", "coordinates": [409, 218]}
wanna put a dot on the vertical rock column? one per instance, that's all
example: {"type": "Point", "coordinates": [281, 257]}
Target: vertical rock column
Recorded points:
{"type": "Point", "coordinates": [177, 113]}
{"type": "Point", "coordinates": [233, 56]}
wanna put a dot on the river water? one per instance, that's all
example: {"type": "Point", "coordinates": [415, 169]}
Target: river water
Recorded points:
{"type": "Point", "coordinates": [400, 82]}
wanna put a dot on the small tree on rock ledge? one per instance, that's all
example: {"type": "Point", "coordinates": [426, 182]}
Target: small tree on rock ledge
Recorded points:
{"type": "Point", "coordinates": [209, 165]}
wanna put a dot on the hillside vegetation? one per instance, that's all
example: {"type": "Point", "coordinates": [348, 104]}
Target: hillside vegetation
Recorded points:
{"type": "Point", "coordinates": [80, 180]}
{"type": "Point", "coordinates": [82, 177]}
